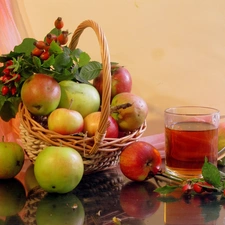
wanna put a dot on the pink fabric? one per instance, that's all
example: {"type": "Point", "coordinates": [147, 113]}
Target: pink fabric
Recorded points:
{"type": "Point", "coordinates": [9, 37]}
{"type": "Point", "coordinates": [9, 34]}
{"type": "Point", "coordinates": [158, 141]}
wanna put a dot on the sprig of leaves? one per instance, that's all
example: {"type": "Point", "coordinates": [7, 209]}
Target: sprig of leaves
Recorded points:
{"type": "Point", "coordinates": [210, 173]}
{"type": "Point", "coordinates": [63, 64]}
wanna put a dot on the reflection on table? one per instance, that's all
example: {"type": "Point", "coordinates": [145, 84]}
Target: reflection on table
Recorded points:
{"type": "Point", "coordinates": [106, 198]}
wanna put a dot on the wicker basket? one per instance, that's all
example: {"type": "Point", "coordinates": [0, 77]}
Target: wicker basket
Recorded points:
{"type": "Point", "coordinates": [99, 153]}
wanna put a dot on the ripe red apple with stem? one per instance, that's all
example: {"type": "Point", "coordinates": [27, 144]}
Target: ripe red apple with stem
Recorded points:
{"type": "Point", "coordinates": [121, 81]}
{"type": "Point", "coordinates": [91, 123]}
{"type": "Point", "coordinates": [140, 161]}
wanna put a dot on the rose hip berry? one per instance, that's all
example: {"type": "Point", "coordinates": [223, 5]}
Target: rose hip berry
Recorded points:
{"type": "Point", "coordinates": [59, 23]}
{"type": "Point", "coordinates": [5, 90]}
{"type": "Point", "coordinates": [186, 188]}
{"type": "Point", "coordinates": [63, 38]}
{"type": "Point", "coordinates": [197, 188]}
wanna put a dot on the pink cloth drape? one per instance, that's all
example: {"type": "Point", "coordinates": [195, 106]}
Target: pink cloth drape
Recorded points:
{"type": "Point", "coordinates": [9, 37]}
{"type": "Point", "coordinates": [9, 34]}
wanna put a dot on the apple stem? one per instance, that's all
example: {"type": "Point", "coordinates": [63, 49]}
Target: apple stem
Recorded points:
{"type": "Point", "coordinates": [163, 176]}
{"type": "Point", "coordinates": [118, 107]}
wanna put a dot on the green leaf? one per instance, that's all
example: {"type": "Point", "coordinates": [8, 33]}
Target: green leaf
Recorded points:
{"type": "Point", "coordinates": [50, 61]}
{"type": "Point", "coordinates": [10, 108]}
{"type": "Point", "coordinates": [84, 59]}
{"type": "Point", "coordinates": [167, 199]}
{"type": "Point", "coordinates": [62, 61]}
{"type": "Point", "coordinates": [55, 48]}
{"type": "Point", "coordinates": [166, 189]}
{"type": "Point", "coordinates": [26, 46]}
{"type": "Point", "coordinates": [90, 71]}
{"type": "Point", "coordinates": [211, 174]}
{"type": "Point", "coordinates": [37, 61]}
{"type": "Point", "coordinates": [76, 53]}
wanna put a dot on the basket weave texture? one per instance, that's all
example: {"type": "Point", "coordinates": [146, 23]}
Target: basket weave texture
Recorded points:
{"type": "Point", "coordinates": [98, 153]}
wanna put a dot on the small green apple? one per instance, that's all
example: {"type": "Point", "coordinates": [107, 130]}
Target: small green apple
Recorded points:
{"type": "Point", "coordinates": [58, 169]}
{"type": "Point", "coordinates": [11, 159]}
{"type": "Point", "coordinates": [65, 121]}
{"type": "Point", "coordinates": [80, 97]}
{"type": "Point", "coordinates": [41, 94]}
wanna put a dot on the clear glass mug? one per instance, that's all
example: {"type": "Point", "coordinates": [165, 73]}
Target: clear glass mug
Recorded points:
{"type": "Point", "coordinates": [191, 134]}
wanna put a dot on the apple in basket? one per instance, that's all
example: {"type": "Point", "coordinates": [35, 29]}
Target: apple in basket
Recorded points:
{"type": "Point", "coordinates": [140, 161]}
{"type": "Point", "coordinates": [121, 81]}
{"type": "Point", "coordinates": [65, 121]}
{"type": "Point", "coordinates": [40, 94]}
{"type": "Point", "coordinates": [80, 97]}
{"type": "Point", "coordinates": [132, 117]}
{"type": "Point", "coordinates": [91, 123]}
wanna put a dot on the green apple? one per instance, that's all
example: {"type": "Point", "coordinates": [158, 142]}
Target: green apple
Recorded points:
{"type": "Point", "coordinates": [80, 97]}
{"type": "Point", "coordinates": [12, 196]}
{"type": "Point", "coordinates": [60, 209]}
{"type": "Point", "coordinates": [58, 169]}
{"type": "Point", "coordinates": [65, 121]}
{"type": "Point", "coordinates": [11, 159]}
{"type": "Point", "coordinates": [41, 94]}
{"type": "Point", "coordinates": [132, 117]}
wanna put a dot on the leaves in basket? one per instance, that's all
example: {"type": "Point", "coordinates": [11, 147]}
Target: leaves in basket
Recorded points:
{"type": "Point", "coordinates": [9, 108]}
{"type": "Point", "coordinates": [25, 47]}
{"type": "Point", "coordinates": [63, 64]}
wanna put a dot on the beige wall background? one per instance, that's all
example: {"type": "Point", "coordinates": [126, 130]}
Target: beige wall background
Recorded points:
{"type": "Point", "coordinates": [174, 49]}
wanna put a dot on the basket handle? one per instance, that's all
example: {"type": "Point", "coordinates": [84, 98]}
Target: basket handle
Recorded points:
{"type": "Point", "coordinates": [106, 91]}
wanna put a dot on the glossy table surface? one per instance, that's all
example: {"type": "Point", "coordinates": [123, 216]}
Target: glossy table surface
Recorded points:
{"type": "Point", "coordinates": [101, 198]}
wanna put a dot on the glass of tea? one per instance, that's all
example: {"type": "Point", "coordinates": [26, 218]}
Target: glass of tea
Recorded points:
{"type": "Point", "coordinates": [191, 134]}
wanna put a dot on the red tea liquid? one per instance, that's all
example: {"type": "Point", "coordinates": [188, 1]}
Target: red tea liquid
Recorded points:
{"type": "Point", "coordinates": [187, 145]}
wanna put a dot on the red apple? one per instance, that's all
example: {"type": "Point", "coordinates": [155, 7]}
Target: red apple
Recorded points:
{"type": "Point", "coordinates": [140, 161]}
{"type": "Point", "coordinates": [121, 81]}
{"type": "Point", "coordinates": [65, 121]}
{"type": "Point", "coordinates": [41, 94]}
{"type": "Point", "coordinates": [91, 123]}
{"type": "Point", "coordinates": [139, 200]}
{"type": "Point", "coordinates": [132, 117]}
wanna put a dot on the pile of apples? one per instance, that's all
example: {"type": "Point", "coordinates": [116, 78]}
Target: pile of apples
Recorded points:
{"type": "Point", "coordinates": [72, 108]}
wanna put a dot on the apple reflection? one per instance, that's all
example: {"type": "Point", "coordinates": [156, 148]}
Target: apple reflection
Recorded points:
{"type": "Point", "coordinates": [12, 197]}
{"type": "Point", "coordinates": [139, 200]}
{"type": "Point", "coordinates": [58, 208]}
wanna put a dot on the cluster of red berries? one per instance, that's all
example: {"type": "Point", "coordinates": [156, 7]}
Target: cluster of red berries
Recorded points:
{"type": "Point", "coordinates": [9, 79]}
{"type": "Point", "coordinates": [41, 49]}
{"type": "Point", "coordinates": [198, 187]}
